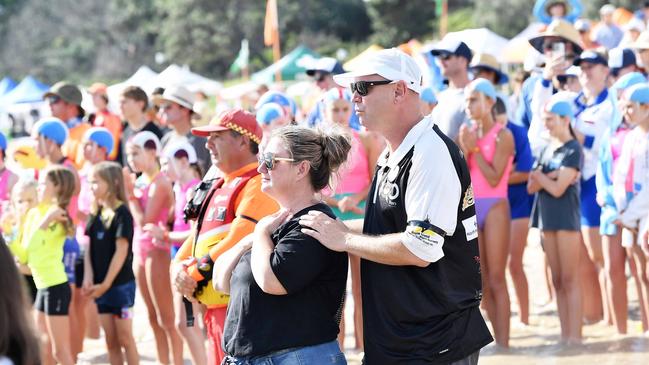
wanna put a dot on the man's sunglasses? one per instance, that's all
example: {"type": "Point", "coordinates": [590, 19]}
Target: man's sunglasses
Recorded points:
{"type": "Point", "coordinates": [53, 99]}
{"type": "Point", "coordinates": [363, 87]}
{"type": "Point", "coordinates": [548, 46]}
{"type": "Point", "coordinates": [268, 159]}
{"type": "Point", "coordinates": [320, 76]}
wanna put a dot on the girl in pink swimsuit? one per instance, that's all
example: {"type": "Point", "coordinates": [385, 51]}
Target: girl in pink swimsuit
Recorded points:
{"type": "Point", "coordinates": [347, 199]}
{"type": "Point", "coordinates": [180, 165]}
{"type": "Point", "coordinates": [150, 198]}
{"type": "Point", "coordinates": [489, 149]}
{"type": "Point", "coordinates": [7, 178]}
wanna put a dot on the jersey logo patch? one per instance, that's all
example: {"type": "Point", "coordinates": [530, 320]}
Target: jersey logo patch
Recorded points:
{"type": "Point", "coordinates": [468, 198]}
{"type": "Point", "coordinates": [389, 191]}
{"type": "Point", "coordinates": [471, 228]}
{"type": "Point", "coordinates": [424, 235]}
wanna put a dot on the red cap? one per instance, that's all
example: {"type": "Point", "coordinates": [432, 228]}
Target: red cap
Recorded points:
{"type": "Point", "coordinates": [237, 120]}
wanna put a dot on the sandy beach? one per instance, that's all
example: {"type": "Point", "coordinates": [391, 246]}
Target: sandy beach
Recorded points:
{"type": "Point", "coordinates": [533, 344]}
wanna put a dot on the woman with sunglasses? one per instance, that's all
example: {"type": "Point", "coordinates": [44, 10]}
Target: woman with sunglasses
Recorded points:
{"type": "Point", "coordinates": [286, 289]}
{"type": "Point", "coordinates": [348, 194]}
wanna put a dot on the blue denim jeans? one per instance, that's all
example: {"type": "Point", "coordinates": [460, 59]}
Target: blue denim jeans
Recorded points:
{"type": "Point", "coordinates": [326, 353]}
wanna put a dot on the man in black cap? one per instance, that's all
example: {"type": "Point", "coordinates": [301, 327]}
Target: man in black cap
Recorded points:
{"type": "Point", "coordinates": [621, 61]}
{"type": "Point", "coordinates": [455, 57]}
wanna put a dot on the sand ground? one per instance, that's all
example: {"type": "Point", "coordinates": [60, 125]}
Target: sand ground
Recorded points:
{"type": "Point", "coordinates": [533, 344]}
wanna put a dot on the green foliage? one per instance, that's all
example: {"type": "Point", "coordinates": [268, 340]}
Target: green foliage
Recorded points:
{"type": "Point", "coordinates": [505, 17]}
{"type": "Point", "coordinates": [395, 22]}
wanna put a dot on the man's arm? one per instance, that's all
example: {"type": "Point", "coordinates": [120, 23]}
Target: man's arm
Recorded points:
{"type": "Point", "coordinates": [334, 234]}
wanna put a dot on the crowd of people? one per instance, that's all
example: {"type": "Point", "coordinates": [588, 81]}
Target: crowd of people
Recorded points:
{"type": "Point", "coordinates": [239, 234]}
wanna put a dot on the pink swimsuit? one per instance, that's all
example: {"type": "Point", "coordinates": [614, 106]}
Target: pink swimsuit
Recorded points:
{"type": "Point", "coordinates": [143, 241]}
{"type": "Point", "coordinates": [5, 194]}
{"type": "Point", "coordinates": [355, 173]}
{"type": "Point", "coordinates": [84, 204]}
{"type": "Point", "coordinates": [180, 193]}
{"type": "Point", "coordinates": [485, 194]}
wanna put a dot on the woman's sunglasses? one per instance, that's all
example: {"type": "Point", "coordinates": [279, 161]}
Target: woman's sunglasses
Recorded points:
{"type": "Point", "coordinates": [363, 87]}
{"type": "Point", "coordinates": [268, 159]}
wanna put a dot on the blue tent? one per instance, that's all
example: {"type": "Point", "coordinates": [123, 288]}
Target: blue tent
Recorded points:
{"type": "Point", "coordinates": [29, 90]}
{"type": "Point", "coordinates": [6, 85]}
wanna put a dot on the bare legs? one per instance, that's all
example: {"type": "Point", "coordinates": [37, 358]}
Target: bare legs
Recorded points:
{"type": "Point", "coordinates": [193, 336]}
{"type": "Point", "coordinates": [155, 287]}
{"type": "Point", "coordinates": [517, 245]}
{"type": "Point", "coordinates": [614, 264]}
{"type": "Point", "coordinates": [494, 249]}
{"type": "Point", "coordinates": [119, 335]}
{"type": "Point", "coordinates": [562, 249]}
{"type": "Point", "coordinates": [593, 278]}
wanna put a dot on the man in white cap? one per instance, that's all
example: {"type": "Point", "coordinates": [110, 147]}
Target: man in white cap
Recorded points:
{"type": "Point", "coordinates": [607, 34]}
{"type": "Point", "coordinates": [177, 107]}
{"type": "Point", "coordinates": [420, 266]}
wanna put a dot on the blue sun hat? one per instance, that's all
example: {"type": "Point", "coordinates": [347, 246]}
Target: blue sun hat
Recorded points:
{"type": "Point", "coordinates": [101, 136]}
{"type": "Point", "coordinates": [269, 112]}
{"type": "Point", "coordinates": [273, 96]}
{"type": "Point", "coordinates": [628, 80]}
{"type": "Point", "coordinates": [483, 86]}
{"type": "Point", "coordinates": [638, 93]}
{"type": "Point", "coordinates": [428, 95]}
{"type": "Point", "coordinates": [560, 105]}
{"type": "Point", "coordinates": [53, 129]}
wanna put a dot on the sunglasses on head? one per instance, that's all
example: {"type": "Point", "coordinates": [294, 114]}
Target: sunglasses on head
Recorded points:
{"type": "Point", "coordinates": [268, 159]}
{"type": "Point", "coordinates": [445, 56]}
{"type": "Point", "coordinates": [363, 87]}
{"type": "Point", "coordinates": [53, 99]}
{"type": "Point", "coordinates": [320, 76]}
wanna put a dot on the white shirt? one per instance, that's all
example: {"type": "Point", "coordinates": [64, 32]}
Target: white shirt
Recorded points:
{"type": "Point", "coordinates": [449, 114]}
{"type": "Point", "coordinates": [433, 188]}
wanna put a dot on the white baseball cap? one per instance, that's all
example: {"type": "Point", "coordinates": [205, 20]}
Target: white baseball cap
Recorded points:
{"type": "Point", "coordinates": [172, 150]}
{"type": "Point", "coordinates": [146, 139]}
{"type": "Point", "coordinates": [391, 64]}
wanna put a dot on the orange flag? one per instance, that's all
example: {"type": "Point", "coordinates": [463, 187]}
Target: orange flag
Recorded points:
{"type": "Point", "coordinates": [271, 24]}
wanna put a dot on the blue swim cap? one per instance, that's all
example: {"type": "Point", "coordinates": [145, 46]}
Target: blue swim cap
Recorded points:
{"type": "Point", "coordinates": [638, 93]}
{"type": "Point", "coordinates": [428, 95]}
{"type": "Point", "coordinates": [629, 80]}
{"type": "Point", "coordinates": [52, 128]}
{"type": "Point", "coordinates": [273, 97]}
{"type": "Point", "coordinates": [3, 142]}
{"type": "Point", "coordinates": [101, 136]}
{"type": "Point", "coordinates": [268, 113]}
{"type": "Point", "coordinates": [335, 93]}
{"type": "Point", "coordinates": [560, 106]}
{"type": "Point", "coordinates": [483, 86]}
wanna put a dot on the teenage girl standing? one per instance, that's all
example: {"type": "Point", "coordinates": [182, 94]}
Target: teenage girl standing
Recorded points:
{"type": "Point", "coordinates": [556, 212]}
{"type": "Point", "coordinates": [150, 198]}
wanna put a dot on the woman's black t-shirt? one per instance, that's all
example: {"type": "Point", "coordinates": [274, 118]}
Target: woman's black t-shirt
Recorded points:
{"type": "Point", "coordinates": [314, 277]}
{"type": "Point", "coordinates": [103, 243]}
